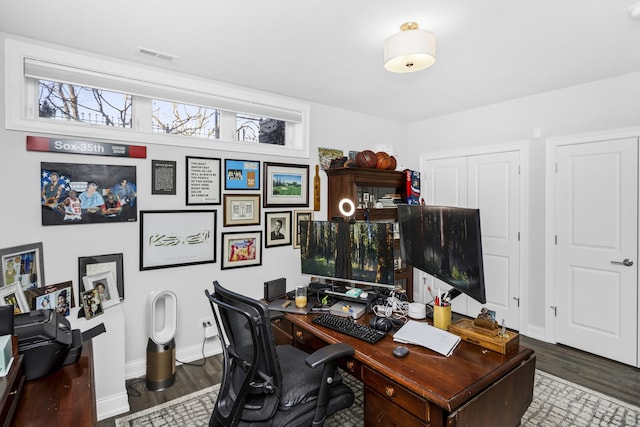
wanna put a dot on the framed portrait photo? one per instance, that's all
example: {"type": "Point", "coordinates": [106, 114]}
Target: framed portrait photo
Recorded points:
{"type": "Point", "coordinates": [13, 294]}
{"type": "Point", "coordinates": [91, 265]}
{"type": "Point", "coordinates": [57, 297]}
{"type": "Point", "coordinates": [241, 249]}
{"type": "Point", "coordinates": [91, 304]}
{"type": "Point", "coordinates": [278, 228]}
{"type": "Point", "coordinates": [241, 209]}
{"type": "Point", "coordinates": [298, 216]}
{"type": "Point", "coordinates": [286, 185]}
{"type": "Point", "coordinates": [241, 174]}
{"type": "Point", "coordinates": [105, 284]}
{"type": "Point", "coordinates": [203, 181]}
{"type": "Point", "coordinates": [177, 238]}
{"type": "Point", "coordinates": [24, 265]}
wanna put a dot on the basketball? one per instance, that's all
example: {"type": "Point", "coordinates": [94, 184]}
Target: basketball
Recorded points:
{"type": "Point", "coordinates": [383, 160]}
{"type": "Point", "coordinates": [394, 163]}
{"type": "Point", "coordinates": [366, 159]}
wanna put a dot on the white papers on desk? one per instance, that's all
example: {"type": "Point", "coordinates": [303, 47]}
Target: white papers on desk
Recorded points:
{"type": "Point", "coordinates": [422, 333]}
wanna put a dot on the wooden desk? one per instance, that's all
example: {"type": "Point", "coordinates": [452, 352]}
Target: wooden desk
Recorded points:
{"type": "Point", "coordinates": [64, 397]}
{"type": "Point", "coordinates": [472, 387]}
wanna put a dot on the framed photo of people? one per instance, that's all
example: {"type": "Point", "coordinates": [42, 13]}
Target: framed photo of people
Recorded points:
{"type": "Point", "coordinates": [241, 249]}
{"type": "Point", "coordinates": [105, 284]}
{"type": "Point", "coordinates": [278, 228]}
{"type": "Point", "coordinates": [72, 193]}
{"type": "Point", "coordinates": [58, 297]}
{"type": "Point", "coordinates": [177, 238]}
{"type": "Point", "coordinates": [92, 265]}
{"type": "Point", "coordinates": [286, 185]}
{"type": "Point", "coordinates": [203, 181]}
{"type": "Point", "coordinates": [241, 174]}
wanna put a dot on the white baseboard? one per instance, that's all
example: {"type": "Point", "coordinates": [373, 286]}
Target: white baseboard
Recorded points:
{"type": "Point", "coordinates": [113, 405]}
{"type": "Point", "coordinates": [138, 368]}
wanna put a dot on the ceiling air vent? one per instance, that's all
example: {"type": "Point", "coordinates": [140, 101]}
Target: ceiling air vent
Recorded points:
{"type": "Point", "coordinates": [155, 54]}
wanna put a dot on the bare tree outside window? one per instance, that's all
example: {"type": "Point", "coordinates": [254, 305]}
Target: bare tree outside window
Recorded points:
{"type": "Point", "coordinates": [184, 119]}
{"type": "Point", "coordinates": [64, 101]}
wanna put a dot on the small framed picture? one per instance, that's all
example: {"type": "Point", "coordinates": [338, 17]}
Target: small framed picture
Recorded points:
{"type": "Point", "coordinates": [105, 284]}
{"type": "Point", "coordinates": [22, 264]}
{"type": "Point", "coordinates": [163, 177]}
{"type": "Point", "coordinates": [203, 181]}
{"type": "Point", "coordinates": [58, 297]}
{"type": "Point", "coordinates": [91, 303]}
{"type": "Point", "coordinates": [13, 294]}
{"type": "Point", "coordinates": [327, 154]}
{"type": "Point", "coordinates": [241, 209]}
{"type": "Point", "coordinates": [90, 265]}
{"type": "Point", "coordinates": [298, 216]}
{"type": "Point", "coordinates": [241, 174]}
{"type": "Point", "coordinates": [286, 185]}
{"type": "Point", "coordinates": [278, 226]}
{"type": "Point", "coordinates": [241, 249]}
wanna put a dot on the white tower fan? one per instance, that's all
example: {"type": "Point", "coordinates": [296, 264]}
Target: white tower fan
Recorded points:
{"type": "Point", "coordinates": [161, 347]}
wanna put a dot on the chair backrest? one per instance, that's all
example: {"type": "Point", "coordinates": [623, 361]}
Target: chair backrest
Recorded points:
{"type": "Point", "coordinates": [250, 388]}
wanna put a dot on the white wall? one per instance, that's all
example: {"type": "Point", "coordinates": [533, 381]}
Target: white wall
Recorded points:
{"type": "Point", "coordinates": [607, 104]}
{"type": "Point", "coordinates": [21, 224]}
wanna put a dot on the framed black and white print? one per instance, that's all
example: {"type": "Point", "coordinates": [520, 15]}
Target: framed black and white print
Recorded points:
{"type": "Point", "coordinates": [203, 181]}
{"type": "Point", "coordinates": [286, 185]}
{"type": "Point", "coordinates": [241, 174]}
{"type": "Point", "coordinates": [177, 238]}
{"type": "Point", "coordinates": [241, 209]}
{"type": "Point", "coordinates": [278, 228]}
{"type": "Point", "coordinates": [163, 177]}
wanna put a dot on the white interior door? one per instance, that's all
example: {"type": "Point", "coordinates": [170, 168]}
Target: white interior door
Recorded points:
{"type": "Point", "coordinates": [489, 182]}
{"type": "Point", "coordinates": [596, 211]}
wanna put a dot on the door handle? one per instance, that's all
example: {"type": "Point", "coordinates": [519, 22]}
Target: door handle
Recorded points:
{"type": "Point", "coordinates": [626, 262]}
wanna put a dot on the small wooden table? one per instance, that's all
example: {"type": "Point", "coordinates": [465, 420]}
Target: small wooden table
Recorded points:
{"type": "Point", "coordinates": [64, 397]}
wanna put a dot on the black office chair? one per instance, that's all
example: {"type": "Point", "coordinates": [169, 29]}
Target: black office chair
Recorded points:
{"type": "Point", "coordinates": [265, 384]}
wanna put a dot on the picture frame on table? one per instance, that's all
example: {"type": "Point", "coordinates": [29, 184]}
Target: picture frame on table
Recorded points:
{"type": "Point", "coordinates": [105, 284]}
{"type": "Point", "coordinates": [241, 209]}
{"type": "Point", "coordinates": [241, 249]}
{"type": "Point", "coordinates": [13, 294]}
{"type": "Point", "coordinates": [241, 174]}
{"type": "Point", "coordinates": [278, 228]}
{"type": "Point", "coordinates": [23, 264]}
{"type": "Point", "coordinates": [91, 265]}
{"type": "Point", "coordinates": [91, 304]}
{"type": "Point", "coordinates": [58, 297]}
{"type": "Point", "coordinates": [299, 216]}
{"type": "Point", "coordinates": [176, 238]}
{"type": "Point", "coordinates": [285, 185]}
{"type": "Point", "coordinates": [203, 180]}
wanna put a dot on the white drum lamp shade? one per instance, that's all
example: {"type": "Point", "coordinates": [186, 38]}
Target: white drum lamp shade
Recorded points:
{"type": "Point", "coordinates": [409, 50]}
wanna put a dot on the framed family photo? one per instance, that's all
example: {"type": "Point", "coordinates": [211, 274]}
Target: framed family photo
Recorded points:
{"type": "Point", "coordinates": [14, 295]}
{"type": "Point", "coordinates": [91, 265]}
{"type": "Point", "coordinates": [241, 249]}
{"type": "Point", "coordinates": [299, 216]}
{"type": "Point", "coordinates": [177, 238]}
{"type": "Point", "coordinates": [91, 304]}
{"type": "Point", "coordinates": [105, 284]}
{"type": "Point", "coordinates": [203, 181]}
{"type": "Point", "coordinates": [241, 209]}
{"type": "Point", "coordinates": [22, 264]}
{"type": "Point", "coordinates": [57, 297]}
{"type": "Point", "coordinates": [241, 174]}
{"type": "Point", "coordinates": [286, 185]}
{"type": "Point", "coordinates": [278, 226]}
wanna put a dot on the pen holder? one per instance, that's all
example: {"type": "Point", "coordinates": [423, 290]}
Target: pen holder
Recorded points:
{"type": "Point", "coordinates": [442, 316]}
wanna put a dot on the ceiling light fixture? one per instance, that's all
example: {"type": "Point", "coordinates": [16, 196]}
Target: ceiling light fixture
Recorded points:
{"type": "Point", "coordinates": [409, 50]}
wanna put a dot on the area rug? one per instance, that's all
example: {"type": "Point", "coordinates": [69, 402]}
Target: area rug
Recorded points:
{"type": "Point", "coordinates": [556, 403]}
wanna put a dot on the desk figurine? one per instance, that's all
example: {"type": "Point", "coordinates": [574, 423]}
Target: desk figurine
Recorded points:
{"type": "Point", "coordinates": [486, 322]}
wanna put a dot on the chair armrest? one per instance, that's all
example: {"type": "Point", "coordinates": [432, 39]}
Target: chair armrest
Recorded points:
{"type": "Point", "coordinates": [275, 314]}
{"type": "Point", "coordinates": [328, 353]}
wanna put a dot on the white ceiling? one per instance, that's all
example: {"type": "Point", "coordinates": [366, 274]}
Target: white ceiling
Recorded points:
{"type": "Point", "coordinates": [330, 51]}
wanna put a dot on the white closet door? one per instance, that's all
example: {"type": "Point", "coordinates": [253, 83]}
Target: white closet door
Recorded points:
{"type": "Point", "coordinates": [596, 210]}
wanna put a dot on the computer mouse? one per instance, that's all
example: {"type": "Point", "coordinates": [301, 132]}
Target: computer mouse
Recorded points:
{"type": "Point", "coordinates": [400, 351]}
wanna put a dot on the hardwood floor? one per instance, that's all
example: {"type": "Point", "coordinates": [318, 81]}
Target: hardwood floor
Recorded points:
{"type": "Point", "coordinates": [608, 377]}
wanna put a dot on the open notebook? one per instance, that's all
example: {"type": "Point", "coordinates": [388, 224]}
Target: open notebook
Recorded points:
{"type": "Point", "coordinates": [422, 333]}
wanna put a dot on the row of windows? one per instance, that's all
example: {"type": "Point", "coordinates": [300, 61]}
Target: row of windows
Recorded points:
{"type": "Point", "coordinates": [75, 103]}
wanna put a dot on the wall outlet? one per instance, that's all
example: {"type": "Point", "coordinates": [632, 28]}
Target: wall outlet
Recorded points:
{"type": "Point", "coordinates": [209, 328]}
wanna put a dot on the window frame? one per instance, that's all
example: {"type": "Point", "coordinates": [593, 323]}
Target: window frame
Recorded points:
{"type": "Point", "coordinates": [21, 95]}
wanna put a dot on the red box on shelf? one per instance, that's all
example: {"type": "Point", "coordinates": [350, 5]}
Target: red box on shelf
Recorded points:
{"type": "Point", "coordinates": [413, 187]}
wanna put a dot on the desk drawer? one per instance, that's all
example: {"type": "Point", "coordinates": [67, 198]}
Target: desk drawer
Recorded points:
{"type": "Point", "coordinates": [282, 331]}
{"type": "Point", "coordinates": [378, 412]}
{"type": "Point", "coordinates": [393, 392]}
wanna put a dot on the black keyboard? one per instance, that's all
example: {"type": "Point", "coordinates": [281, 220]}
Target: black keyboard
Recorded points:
{"type": "Point", "coordinates": [346, 325]}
